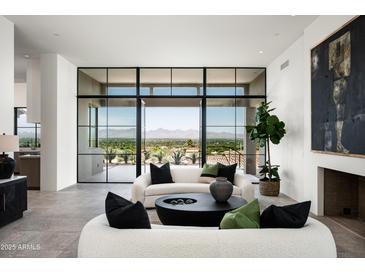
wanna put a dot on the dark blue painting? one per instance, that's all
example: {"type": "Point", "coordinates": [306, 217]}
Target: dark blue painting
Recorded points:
{"type": "Point", "coordinates": [338, 91]}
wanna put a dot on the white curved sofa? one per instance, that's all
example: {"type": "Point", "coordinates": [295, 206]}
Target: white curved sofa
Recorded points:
{"type": "Point", "coordinates": [99, 240]}
{"type": "Point", "coordinates": [186, 180]}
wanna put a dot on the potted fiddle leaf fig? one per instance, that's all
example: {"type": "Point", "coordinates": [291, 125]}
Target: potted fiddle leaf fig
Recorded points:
{"type": "Point", "coordinates": [268, 129]}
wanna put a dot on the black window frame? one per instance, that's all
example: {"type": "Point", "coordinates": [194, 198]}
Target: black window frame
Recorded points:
{"type": "Point", "coordinates": [203, 96]}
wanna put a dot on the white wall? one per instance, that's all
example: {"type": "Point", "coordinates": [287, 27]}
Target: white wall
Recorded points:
{"type": "Point", "coordinates": [58, 119]}
{"type": "Point", "coordinates": [290, 91]}
{"type": "Point", "coordinates": [285, 90]}
{"type": "Point", "coordinates": [33, 91]}
{"type": "Point", "coordinates": [6, 76]}
{"type": "Point", "coordinates": [20, 95]}
{"type": "Point", "coordinates": [66, 121]}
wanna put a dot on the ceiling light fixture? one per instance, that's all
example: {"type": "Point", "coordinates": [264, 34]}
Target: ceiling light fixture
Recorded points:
{"type": "Point", "coordinates": [26, 56]}
{"type": "Point", "coordinates": [261, 52]}
{"type": "Point", "coordinates": [56, 34]}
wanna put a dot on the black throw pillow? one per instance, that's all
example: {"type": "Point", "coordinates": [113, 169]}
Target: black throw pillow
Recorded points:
{"type": "Point", "coordinates": [122, 213]}
{"type": "Point", "coordinates": [227, 171]}
{"type": "Point", "coordinates": [161, 175]}
{"type": "Point", "coordinates": [290, 216]}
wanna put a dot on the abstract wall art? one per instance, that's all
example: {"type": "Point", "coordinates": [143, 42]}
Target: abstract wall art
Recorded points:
{"type": "Point", "coordinates": [338, 91]}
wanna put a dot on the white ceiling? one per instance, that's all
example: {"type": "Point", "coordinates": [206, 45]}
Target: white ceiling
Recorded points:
{"type": "Point", "coordinates": [156, 40]}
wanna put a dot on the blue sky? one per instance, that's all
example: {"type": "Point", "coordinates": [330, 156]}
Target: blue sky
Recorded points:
{"type": "Point", "coordinates": [172, 118]}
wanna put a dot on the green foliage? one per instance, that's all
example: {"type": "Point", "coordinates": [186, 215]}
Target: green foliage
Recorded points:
{"type": "Point", "coordinates": [111, 154]}
{"type": "Point", "coordinates": [193, 157]}
{"type": "Point", "coordinates": [219, 146]}
{"type": "Point", "coordinates": [159, 155]}
{"type": "Point", "coordinates": [125, 156]}
{"type": "Point", "coordinates": [189, 143]}
{"type": "Point", "coordinates": [29, 142]}
{"type": "Point", "coordinates": [147, 155]}
{"type": "Point", "coordinates": [160, 148]}
{"type": "Point", "coordinates": [268, 128]}
{"type": "Point", "coordinates": [267, 173]}
{"type": "Point", "coordinates": [177, 157]}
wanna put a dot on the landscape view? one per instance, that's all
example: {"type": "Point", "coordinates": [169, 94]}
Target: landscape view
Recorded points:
{"type": "Point", "coordinates": [173, 135]}
{"type": "Point", "coordinates": [177, 151]}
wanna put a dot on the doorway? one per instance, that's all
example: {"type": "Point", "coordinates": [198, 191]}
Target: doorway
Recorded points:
{"type": "Point", "coordinates": [171, 132]}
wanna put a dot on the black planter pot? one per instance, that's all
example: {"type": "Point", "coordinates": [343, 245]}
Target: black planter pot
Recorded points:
{"type": "Point", "coordinates": [7, 166]}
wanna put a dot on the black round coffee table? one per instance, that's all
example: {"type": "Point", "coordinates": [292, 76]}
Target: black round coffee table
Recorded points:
{"type": "Point", "coordinates": [194, 209]}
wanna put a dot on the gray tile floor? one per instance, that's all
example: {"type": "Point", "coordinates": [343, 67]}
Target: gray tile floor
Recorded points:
{"type": "Point", "coordinates": [52, 225]}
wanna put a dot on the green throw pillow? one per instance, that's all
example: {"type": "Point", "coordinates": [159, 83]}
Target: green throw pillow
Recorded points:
{"type": "Point", "coordinates": [247, 216]}
{"type": "Point", "coordinates": [209, 172]}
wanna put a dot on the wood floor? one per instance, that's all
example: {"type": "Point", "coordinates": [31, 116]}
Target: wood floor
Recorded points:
{"type": "Point", "coordinates": [52, 225]}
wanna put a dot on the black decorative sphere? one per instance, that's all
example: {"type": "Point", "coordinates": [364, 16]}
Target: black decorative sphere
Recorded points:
{"type": "Point", "coordinates": [7, 166]}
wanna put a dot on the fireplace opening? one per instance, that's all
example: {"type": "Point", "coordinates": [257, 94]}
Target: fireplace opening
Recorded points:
{"type": "Point", "coordinates": [344, 199]}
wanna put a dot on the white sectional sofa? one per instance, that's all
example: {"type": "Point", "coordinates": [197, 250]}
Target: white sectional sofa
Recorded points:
{"type": "Point", "coordinates": [186, 180]}
{"type": "Point", "coordinates": [98, 239]}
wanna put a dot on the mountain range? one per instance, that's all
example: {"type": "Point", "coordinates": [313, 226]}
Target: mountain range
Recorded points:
{"type": "Point", "coordinates": [162, 133]}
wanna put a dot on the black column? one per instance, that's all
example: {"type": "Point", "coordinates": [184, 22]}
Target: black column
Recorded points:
{"type": "Point", "coordinates": [139, 128]}
{"type": "Point", "coordinates": [204, 119]}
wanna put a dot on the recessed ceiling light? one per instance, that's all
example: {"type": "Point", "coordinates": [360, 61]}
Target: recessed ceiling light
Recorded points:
{"type": "Point", "coordinates": [26, 56]}
{"type": "Point", "coordinates": [276, 34]}
{"type": "Point", "coordinates": [56, 34]}
{"type": "Point", "coordinates": [261, 51]}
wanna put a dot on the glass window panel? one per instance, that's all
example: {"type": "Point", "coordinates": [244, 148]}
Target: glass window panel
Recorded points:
{"type": "Point", "coordinates": [93, 137]}
{"type": "Point", "coordinates": [221, 82]}
{"type": "Point", "coordinates": [161, 91]}
{"type": "Point", "coordinates": [91, 168]}
{"type": "Point", "coordinates": [220, 91]}
{"type": "Point", "coordinates": [22, 118]}
{"type": "Point", "coordinates": [155, 82]}
{"type": "Point", "coordinates": [241, 90]}
{"type": "Point", "coordinates": [87, 105]}
{"type": "Point", "coordinates": [246, 111]}
{"type": "Point", "coordinates": [38, 136]}
{"type": "Point", "coordinates": [187, 82]}
{"type": "Point", "coordinates": [220, 140]}
{"type": "Point", "coordinates": [122, 140]}
{"type": "Point", "coordinates": [187, 91]}
{"type": "Point", "coordinates": [250, 81]}
{"type": "Point", "coordinates": [220, 112]}
{"type": "Point", "coordinates": [122, 112]}
{"type": "Point", "coordinates": [146, 91]}
{"type": "Point", "coordinates": [27, 137]}
{"type": "Point", "coordinates": [92, 81]}
{"type": "Point", "coordinates": [93, 112]}
{"type": "Point", "coordinates": [122, 82]}
{"type": "Point", "coordinates": [225, 145]}
{"type": "Point", "coordinates": [240, 139]}
{"type": "Point", "coordinates": [89, 142]}
{"type": "Point", "coordinates": [122, 168]}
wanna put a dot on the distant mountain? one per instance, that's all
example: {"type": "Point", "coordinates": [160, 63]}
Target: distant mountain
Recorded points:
{"type": "Point", "coordinates": [172, 134]}
{"type": "Point", "coordinates": [165, 134]}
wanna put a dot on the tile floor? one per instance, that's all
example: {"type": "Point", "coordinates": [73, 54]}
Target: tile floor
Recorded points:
{"type": "Point", "coordinates": [52, 225]}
